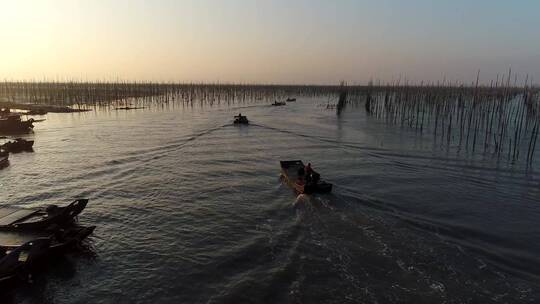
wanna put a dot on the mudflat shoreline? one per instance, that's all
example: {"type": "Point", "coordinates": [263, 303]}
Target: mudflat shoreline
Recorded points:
{"type": "Point", "coordinates": [38, 109]}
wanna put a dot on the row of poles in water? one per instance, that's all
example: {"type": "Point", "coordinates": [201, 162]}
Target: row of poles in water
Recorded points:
{"type": "Point", "coordinates": [498, 120]}
{"type": "Point", "coordinates": [106, 93]}
{"type": "Point", "coordinates": [501, 120]}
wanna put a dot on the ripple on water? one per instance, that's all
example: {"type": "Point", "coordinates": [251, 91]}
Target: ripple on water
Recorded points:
{"type": "Point", "coordinates": [189, 208]}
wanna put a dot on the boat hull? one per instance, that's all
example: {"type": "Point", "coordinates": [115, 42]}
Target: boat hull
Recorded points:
{"type": "Point", "coordinates": [22, 259]}
{"type": "Point", "coordinates": [241, 122]}
{"type": "Point", "coordinates": [289, 175]}
{"type": "Point", "coordinates": [9, 126]}
{"type": "Point", "coordinates": [19, 145]}
{"type": "Point", "coordinates": [38, 219]}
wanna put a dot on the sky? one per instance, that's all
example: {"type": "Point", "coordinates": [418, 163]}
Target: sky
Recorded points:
{"type": "Point", "coordinates": [265, 41]}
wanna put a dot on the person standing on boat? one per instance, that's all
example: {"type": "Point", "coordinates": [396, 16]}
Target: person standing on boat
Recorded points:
{"type": "Point", "coordinates": [308, 169]}
{"type": "Point", "coordinates": [312, 177]}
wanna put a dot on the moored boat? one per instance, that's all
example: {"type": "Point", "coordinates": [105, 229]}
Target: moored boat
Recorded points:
{"type": "Point", "coordinates": [294, 175]}
{"type": "Point", "coordinates": [17, 261]}
{"type": "Point", "coordinates": [42, 218]}
{"type": "Point", "coordinates": [291, 99]}
{"type": "Point", "coordinates": [279, 103]}
{"type": "Point", "coordinates": [14, 123]}
{"type": "Point", "coordinates": [60, 238]}
{"type": "Point", "coordinates": [18, 145]}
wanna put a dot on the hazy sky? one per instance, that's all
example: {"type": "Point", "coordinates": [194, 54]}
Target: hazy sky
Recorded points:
{"type": "Point", "coordinates": [266, 41]}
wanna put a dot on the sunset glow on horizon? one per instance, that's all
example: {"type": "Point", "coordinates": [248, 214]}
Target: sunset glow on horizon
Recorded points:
{"type": "Point", "coordinates": [297, 42]}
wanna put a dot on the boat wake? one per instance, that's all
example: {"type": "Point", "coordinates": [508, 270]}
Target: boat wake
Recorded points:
{"type": "Point", "coordinates": [301, 201]}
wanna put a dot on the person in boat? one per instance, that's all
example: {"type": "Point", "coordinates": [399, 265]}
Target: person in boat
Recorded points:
{"type": "Point", "coordinates": [312, 177]}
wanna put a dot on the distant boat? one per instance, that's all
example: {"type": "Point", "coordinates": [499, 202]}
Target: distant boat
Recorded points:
{"type": "Point", "coordinates": [13, 123]}
{"type": "Point", "coordinates": [242, 120]}
{"type": "Point", "coordinates": [129, 108]}
{"type": "Point", "coordinates": [36, 112]}
{"type": "Point", "coordinates": [291, 99]}
{"type": "Point", "coordinates": [292, 173]}
{"type": "Point", "coordinates": [18, 145]}
{"type": "Point", "coordinates": [279, 103]}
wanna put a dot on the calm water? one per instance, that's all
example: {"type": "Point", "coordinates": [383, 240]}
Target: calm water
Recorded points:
{"type": "Point", "coordinates": [190, 209]}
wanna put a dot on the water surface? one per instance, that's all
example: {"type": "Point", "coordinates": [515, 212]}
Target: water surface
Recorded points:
{"type": "Point", "coordinates": [189, 209]}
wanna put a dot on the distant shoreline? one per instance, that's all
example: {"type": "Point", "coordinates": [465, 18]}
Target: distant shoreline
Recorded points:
{"type": "Point", "coordinates": [37, 109]}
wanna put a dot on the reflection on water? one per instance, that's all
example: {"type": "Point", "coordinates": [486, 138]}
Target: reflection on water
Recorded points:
{"type": "Point", "coordinates": [189, 208]}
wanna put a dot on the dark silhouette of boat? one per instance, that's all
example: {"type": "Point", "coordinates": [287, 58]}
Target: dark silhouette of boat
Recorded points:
{"type": "Point", "coordinates": [36, 112]}
{"type": "Point", "coordinates": [17, 219]}
{"type": "Point", "coordinates": [291, 99]}
{"type": "Point", "coordinates": [18, 145]}
{"type": "Point", "coordinates": [294, 175]}
{"type": "Point", "coordinates": [129, 108]}
{"type": "Point", "coordinates": [13, 123]}
{"type": "Point", "coordinates": [242, 120]}
{"type": "Point", "coordinates": [279, 103]}
{"type": "Point", "coordinates": [18, 261]}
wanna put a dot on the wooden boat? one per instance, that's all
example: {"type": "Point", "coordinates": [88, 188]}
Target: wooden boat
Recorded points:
{"type": "Point", "coordinates": [279, 103]}
{"type": "Point", "coordinates": [18, 145]}
{"type": "Point", "coordinates": [42, 218]}
{"type": "Point", "coordinates": [129, 108]}
{"type": "Point", "coordinates": [16, 260]}
{"type": "Point", "coordinates": [291, 99]}
{"type": "Point", "coordinates": [13, 123]}
{"type": "Point", "coordinates": [292, 175]}
{"type": "Point", "coordinates": [36, 112]}
{"type": "Point", "coordinates": [241, 120]}
{"type": "Point", "coordinates": [60, 238]}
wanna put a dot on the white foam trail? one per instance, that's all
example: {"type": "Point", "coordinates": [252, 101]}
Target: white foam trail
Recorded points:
{"type": "Point", "coordinates": [301, 201]}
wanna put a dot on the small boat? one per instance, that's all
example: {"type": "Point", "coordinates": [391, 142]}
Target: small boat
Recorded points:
{"type": "Point", "coordinates": [60, 238]}
{"type": "Point", "coordinates": [241, 120]}
{"type": "Point", "coordinates": [291, 99]}
{"type": "Point", "coordinates": [13, 123]}
{"type": "Point", "coordinates": [129, 108]}
{"type": "Point", "coordinates": [36, 112]}
{"type": "Point", "coordinates": [292, 172]}
{"type": "Point", "coordinates": [41, 218]}
{"type": "Point", "coordinates": [17, 261]}
{"type": "Point", "coordinates": [279, 103]}
{"type": "Point", "coordinates": [18, 145]}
